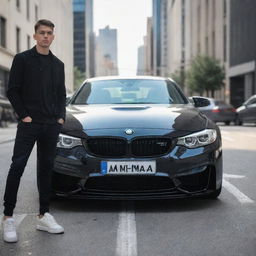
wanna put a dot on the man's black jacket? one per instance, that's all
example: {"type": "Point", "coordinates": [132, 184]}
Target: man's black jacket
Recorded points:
{"type": "Point", "coordinates": [24, 87]}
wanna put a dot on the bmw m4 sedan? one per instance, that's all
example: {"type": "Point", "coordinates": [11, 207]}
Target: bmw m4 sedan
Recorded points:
{"type": "Point", "coordinates": [136, 138]}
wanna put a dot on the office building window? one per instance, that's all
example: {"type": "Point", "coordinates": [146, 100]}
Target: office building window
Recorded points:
{"type": "Point", "coordinates": [2, 32]}
{"type": "Point", "coordinates": [28, 10]}
{"type": "Point", "coordinates": [213, 44]}
{"type": "Point", "coordinates": [36, 13]}
{"type": "Point", "coordinates": [28, 41]}
{"type": "Point", "coordinates": [224, 8]}
{"type": "Point", "coordinates": [207, 45]}
{"type": "Point", "coordinates": [18, 4]}
{"type": "Point", "coordinates": [225, 42]}
{"type": "Point", "coordinates": [3, 82]}
{"type": "Point", "coordinates": [17, 39]}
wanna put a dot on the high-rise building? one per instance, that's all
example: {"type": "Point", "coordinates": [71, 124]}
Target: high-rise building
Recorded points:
{"type": "Point", "coordinates": [83, 36]}
{"type": "Point", "coordinates": [141, 60]}
{"type": "Point", "coordinates": [197, 27]}
{"type": "Point", "coordinates": [159, 24]}
{"type": "Point", "coordinates": [242, 50]}
{"type": "Point", "coordinates": [17, 20]}
{"type": "Point", "coordinates": [148, 41]}
{"type": "Point", "coordinates": [106, 52]}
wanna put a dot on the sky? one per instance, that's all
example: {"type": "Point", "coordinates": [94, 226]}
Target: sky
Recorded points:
{"type": "Point", "coordinates": [130, 18]}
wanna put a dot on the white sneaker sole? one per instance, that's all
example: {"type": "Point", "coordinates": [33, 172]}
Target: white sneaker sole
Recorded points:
{"type": "Point", "coordinates": [11, 240]}
{"type": "Point", "coordinates": [50, 230]}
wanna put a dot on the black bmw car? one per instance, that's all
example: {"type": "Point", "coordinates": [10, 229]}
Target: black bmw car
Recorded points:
{"type": "Point", "coordinates": [136, 138]}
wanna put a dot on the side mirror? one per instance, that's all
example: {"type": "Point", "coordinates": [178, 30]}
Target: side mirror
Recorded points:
{"type": "Point", "coordinates": [201, 102]}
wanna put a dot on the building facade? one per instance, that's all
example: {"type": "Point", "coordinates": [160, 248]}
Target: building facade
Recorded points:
{"type": "Point", "coordinates": [141, 60]}
{"type": "Point", "coordinates": [242, 50]}
{"type": "Point", "coordinates": [159, 27]}
{"type": "Point", "coordinates": [83, 36]}
{"type": "Point", "coordinates": [197, 27]}
{"type": "Point", "coordinates": [148, 41]}
{"type": "Point", "coordinates": [17, 19]}
{"type": "Point", "coordinates": [106, 52]}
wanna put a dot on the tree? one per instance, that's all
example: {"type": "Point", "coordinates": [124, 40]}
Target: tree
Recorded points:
{"type": "Point", "coordinates": [205, 75]}
{"type": "Point", "coordinates": [179, 77]}
{"type": "Point", "coordinates": [79, 77]}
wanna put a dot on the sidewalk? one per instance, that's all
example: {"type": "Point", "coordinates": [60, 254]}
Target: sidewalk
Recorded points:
{"type": "Point", "coordinates": [7, 134]}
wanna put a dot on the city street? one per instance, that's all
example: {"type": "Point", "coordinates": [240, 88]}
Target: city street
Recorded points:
{"type": "Point", "coordinates": [198, 227]}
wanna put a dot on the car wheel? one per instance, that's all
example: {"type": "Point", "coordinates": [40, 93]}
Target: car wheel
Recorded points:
{"type": "Point", "coordinates": [214, 194]}
{"type": "Point", "coordinates": [238, 122]}
{"type": "Point", "coordinates": [227, 123]}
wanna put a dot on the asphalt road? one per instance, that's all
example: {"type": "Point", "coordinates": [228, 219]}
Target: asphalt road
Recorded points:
{"type": "Point", "coordinates": [223, 227]}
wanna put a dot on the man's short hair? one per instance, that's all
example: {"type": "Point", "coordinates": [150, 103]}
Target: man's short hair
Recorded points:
{"type": "Point", "coordinates": [47, 23]}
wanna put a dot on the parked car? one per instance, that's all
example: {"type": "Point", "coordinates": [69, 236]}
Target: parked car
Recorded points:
{"type": "Point", "coordinates": [247, 112]}
{"type": "Point", "coordinates": [7, 113]}
{"type": "Point", "coordinates": [218, 111]}
{"type": "Point", "coordinates": [136, 138]}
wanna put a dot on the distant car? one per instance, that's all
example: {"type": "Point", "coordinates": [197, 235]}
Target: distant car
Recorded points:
{"type": "Point", "coordinates": [218, 111]}
{"type": "Point", "coordinates": [247, 112]}
{"type": "Point", "coordinates": [136, 138]}
{"type": "Point", "coordinates": [7, 113]}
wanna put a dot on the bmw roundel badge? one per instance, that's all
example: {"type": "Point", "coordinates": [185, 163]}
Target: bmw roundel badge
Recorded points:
{"type": "Point", "coordinates": [129, 131]}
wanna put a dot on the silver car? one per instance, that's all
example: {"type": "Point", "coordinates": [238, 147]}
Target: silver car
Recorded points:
{"type": "Point", "coordinates": [247, 112]}
{"type": "Point", "coordinates": [218, 110]}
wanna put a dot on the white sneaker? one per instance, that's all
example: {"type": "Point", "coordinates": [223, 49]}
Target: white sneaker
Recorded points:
{"type": "Point", "coordinates": [9, 231]}
{"type": "Point", "coordinates": [49, 224]}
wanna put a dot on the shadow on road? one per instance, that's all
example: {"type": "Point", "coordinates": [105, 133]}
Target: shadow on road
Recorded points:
{"type": "Point", "coordinates": [170, 205]}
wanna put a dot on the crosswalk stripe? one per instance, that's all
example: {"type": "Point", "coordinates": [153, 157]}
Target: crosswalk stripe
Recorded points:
{"type": "Point", "coordinates": [19, 218]}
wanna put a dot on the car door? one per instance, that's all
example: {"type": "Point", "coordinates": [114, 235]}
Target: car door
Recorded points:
{"type": "Point", "coordinates": [250, 111]}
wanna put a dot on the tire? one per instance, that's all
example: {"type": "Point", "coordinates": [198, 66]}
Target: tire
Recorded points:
{"type": "Point", "coordinates": [227, 123]}
{"type": "Point", "coordinates": [215, 194]}
{"type": "Point", "coordinates": [239, 122]}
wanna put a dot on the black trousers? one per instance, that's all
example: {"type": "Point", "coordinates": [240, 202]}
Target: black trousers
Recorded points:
{"type": "Point", "coordinates": [45, 135]}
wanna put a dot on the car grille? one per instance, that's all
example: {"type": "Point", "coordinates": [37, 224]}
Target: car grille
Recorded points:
{"type": "Point", "coordinates": [107, 147]}
{"type": "Point", "coordinates": [150, 146]}
{"type": "Point", "coordinates": [138, 147]}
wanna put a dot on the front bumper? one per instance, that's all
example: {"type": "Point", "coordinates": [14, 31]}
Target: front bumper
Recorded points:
{"type": "Point", "coordinates": [181, 173]}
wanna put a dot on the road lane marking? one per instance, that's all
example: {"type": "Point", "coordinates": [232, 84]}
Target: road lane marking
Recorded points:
{"type": "Point", "coordinates": [227, 138]}
{"type": "Point", "coordinates": [225, 175]}
{"type": "Point", "coordinates": [250, 135]}
{"type": "Point", "coordinates": [241, 197]}
{"type": "Point", "coordinates": [19, 218]}
{"type": "Point", "coordinates": [222, 131]}
{"type": "Point", "coordinates": [126, 232]}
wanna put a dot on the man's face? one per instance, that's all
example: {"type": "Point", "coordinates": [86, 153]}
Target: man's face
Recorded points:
{"type": "Point", "coordinates": [44, 36]}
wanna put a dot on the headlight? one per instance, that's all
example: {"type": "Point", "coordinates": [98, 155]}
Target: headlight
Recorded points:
{"type": "Point", "coordinates": [66, 141]}
{"type": "Point", "coordinates": [198, 139]}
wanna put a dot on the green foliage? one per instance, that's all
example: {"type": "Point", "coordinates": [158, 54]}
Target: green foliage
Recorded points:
{"type": "Point", "coordinates": [179, 77]}
{"type": "Point", "coordinates": [205, 75]}
{"type": "Point", "coordinates": [79, 77]}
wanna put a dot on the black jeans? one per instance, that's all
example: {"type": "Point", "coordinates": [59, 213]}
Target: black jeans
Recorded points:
{"type": "Point", "coordinates": [46, 136]}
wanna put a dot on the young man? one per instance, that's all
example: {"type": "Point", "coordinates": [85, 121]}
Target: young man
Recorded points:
{"type": "Point", "coordinates": [37, 93]}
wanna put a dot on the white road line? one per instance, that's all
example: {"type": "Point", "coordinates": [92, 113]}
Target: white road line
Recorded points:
{"type": "Point", "coordinates": [225, 175]}
{"type": "Point", "coordinates": [126, 232]}
{"type": "Point", "coordinates": [19, 218]}
{"type": "Point", "coordinates": [227, 138]}
{"type": "Point", "coordinates": [250, 135]}
{"type": "Point", "coordinates": [241, 197]}
{"type": "Point", "coordinates": [225, 132]}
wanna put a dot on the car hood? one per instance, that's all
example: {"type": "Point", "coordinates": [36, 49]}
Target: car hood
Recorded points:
{"type": "Point", "coordinates": [171, 117]}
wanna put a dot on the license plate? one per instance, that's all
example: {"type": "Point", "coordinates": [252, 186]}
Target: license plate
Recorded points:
{"type": "Point", "coordinates": [128, 167]}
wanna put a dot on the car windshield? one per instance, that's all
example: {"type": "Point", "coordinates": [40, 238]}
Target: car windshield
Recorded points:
{"type": "Point", "coordinates": [129, 91]}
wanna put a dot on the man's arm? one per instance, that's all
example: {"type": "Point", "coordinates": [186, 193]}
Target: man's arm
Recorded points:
{"type": "Point", "coordinates": [62, 98]}
{"type": "Point", "coordinates": [14, 86]}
